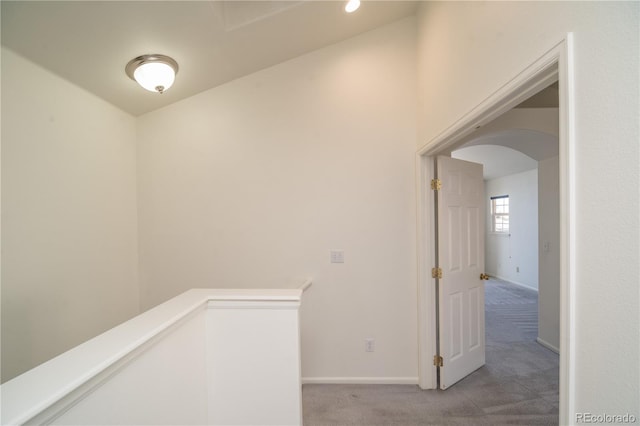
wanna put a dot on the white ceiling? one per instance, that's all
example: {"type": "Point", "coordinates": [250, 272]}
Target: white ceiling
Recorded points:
{"type": "Point", "coordinates": [498, 160]}
{"type": "Point", "coordinates": [90, 42]}
{"type": "Point", "coordinates": [537, 145]}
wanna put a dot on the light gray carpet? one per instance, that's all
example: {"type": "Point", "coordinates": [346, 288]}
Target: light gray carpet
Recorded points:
{"type": "Point", "coordinates": [518, 384]}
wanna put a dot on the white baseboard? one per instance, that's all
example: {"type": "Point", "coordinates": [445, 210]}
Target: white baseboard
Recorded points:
{"type": "Point", "coordinates": [361, 380]}
{"type": "Point", "coordinates": [548, 345]}
{"type": "Point", "coordinates": [514, 282]}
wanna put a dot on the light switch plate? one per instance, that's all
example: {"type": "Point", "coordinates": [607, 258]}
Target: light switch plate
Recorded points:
{"type": "Point", "coordinates": [337, 256]}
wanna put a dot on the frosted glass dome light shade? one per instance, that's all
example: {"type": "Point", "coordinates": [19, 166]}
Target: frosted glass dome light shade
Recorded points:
{"type": "Point", "coordinates": [154, 76]}
{"type": "Point", "coordinates": [155, 73]}
{"type": "Point", "coordinates": [352, 6]}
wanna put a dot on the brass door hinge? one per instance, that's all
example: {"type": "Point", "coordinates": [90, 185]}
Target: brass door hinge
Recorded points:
{"type": "Point", "coordinates": [436, 184]}
{"type": "Point", "coordinates": [436, 273]}
{"type": "Point", "coordinates": [437, 361]}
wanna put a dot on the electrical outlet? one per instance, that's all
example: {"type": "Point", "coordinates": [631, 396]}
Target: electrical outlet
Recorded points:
{"type": "Point", "coordinates": [517, 269]}
{"type": "Point", "coordinates": [369, 345]}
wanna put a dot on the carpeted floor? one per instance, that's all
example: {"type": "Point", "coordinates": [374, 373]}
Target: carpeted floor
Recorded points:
{"type": "Point", "coordinates": [518, 384]}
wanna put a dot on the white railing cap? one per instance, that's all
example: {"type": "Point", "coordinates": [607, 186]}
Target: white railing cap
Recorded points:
{"type": "Point", "coordinates": [27, 395]}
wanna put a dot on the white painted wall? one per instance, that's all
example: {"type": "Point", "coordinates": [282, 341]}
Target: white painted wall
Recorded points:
{"type": "Point", "coordinates": [255, 181]}
{"type": "Point", "coordinates": [549, 253]}
{"type": "Point", "coordinates": [253, 363]}
{"type": "Point", "coordinates": [467, 51]}
{"type": "Point", "coordinates": [504, 254]}
{"type": "Point", "coordinates": [349, 179]}
{"type": "Point", "coordinates": [69, 225]}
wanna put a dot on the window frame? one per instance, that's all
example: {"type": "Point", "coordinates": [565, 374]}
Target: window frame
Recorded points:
{"type": "Point", "coordinates": [498, 226]}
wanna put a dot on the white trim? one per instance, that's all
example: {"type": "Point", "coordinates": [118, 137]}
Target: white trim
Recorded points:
{"type": "Point", "coordinates": [427, 372]}
{"type": "Point", "coordinates": [556, 64]}
{"type": "Point", "coordinates": [361, 380]}
{"type": "Point", "coordinates": [306, 284]}
{"type": "Point", "coordinates": [250, 304]}
{"type": "Point", "coordinates": [547, 345]}
{"type": "Point", "coordinates": [568, 246]}
{"type": "Point", "coordinates": [530, 81]}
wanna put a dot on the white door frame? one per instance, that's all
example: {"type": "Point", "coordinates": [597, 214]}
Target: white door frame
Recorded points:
{"type": "Point", "coordinates": [556, 64]}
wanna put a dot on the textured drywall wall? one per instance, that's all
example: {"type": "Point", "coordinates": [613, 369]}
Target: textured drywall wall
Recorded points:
{"type": "Point", "coordinates": [69, 225]}
{"type": "Point", "coordinates": [253, 182]}
{"type": "Point", "coordinates": [549, 252]}
{"type": "Point", "coordinates": [466, 52]}
{"type": "Point", "coordinates": [514, 256]}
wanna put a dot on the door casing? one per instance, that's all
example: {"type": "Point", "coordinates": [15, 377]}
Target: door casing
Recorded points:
{"type": "Point", "coordinates": [555, 65]}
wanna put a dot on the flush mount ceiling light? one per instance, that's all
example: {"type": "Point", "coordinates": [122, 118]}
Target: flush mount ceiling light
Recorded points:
{"type": "Point", "coordinates": [155, 73]}
{"type": "Point", "coordinates": [352, 6]}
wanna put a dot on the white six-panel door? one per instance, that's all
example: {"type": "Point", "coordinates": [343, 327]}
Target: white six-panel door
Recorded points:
{"type": "Point", "coordinates": [460, 210]}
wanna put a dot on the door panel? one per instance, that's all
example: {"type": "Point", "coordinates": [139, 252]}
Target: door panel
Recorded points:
{"type": "Point", "coordinates": [461, 257]}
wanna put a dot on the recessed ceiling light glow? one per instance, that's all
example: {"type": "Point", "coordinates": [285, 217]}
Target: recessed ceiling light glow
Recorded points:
{"type": "Point", "coordinates": [352, 6]}
{"type": "Point", "coordinates": [156, 73]}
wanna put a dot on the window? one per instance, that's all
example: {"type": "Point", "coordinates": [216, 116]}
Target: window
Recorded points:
{"type": "Point", "coordinates": [500, 214]}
